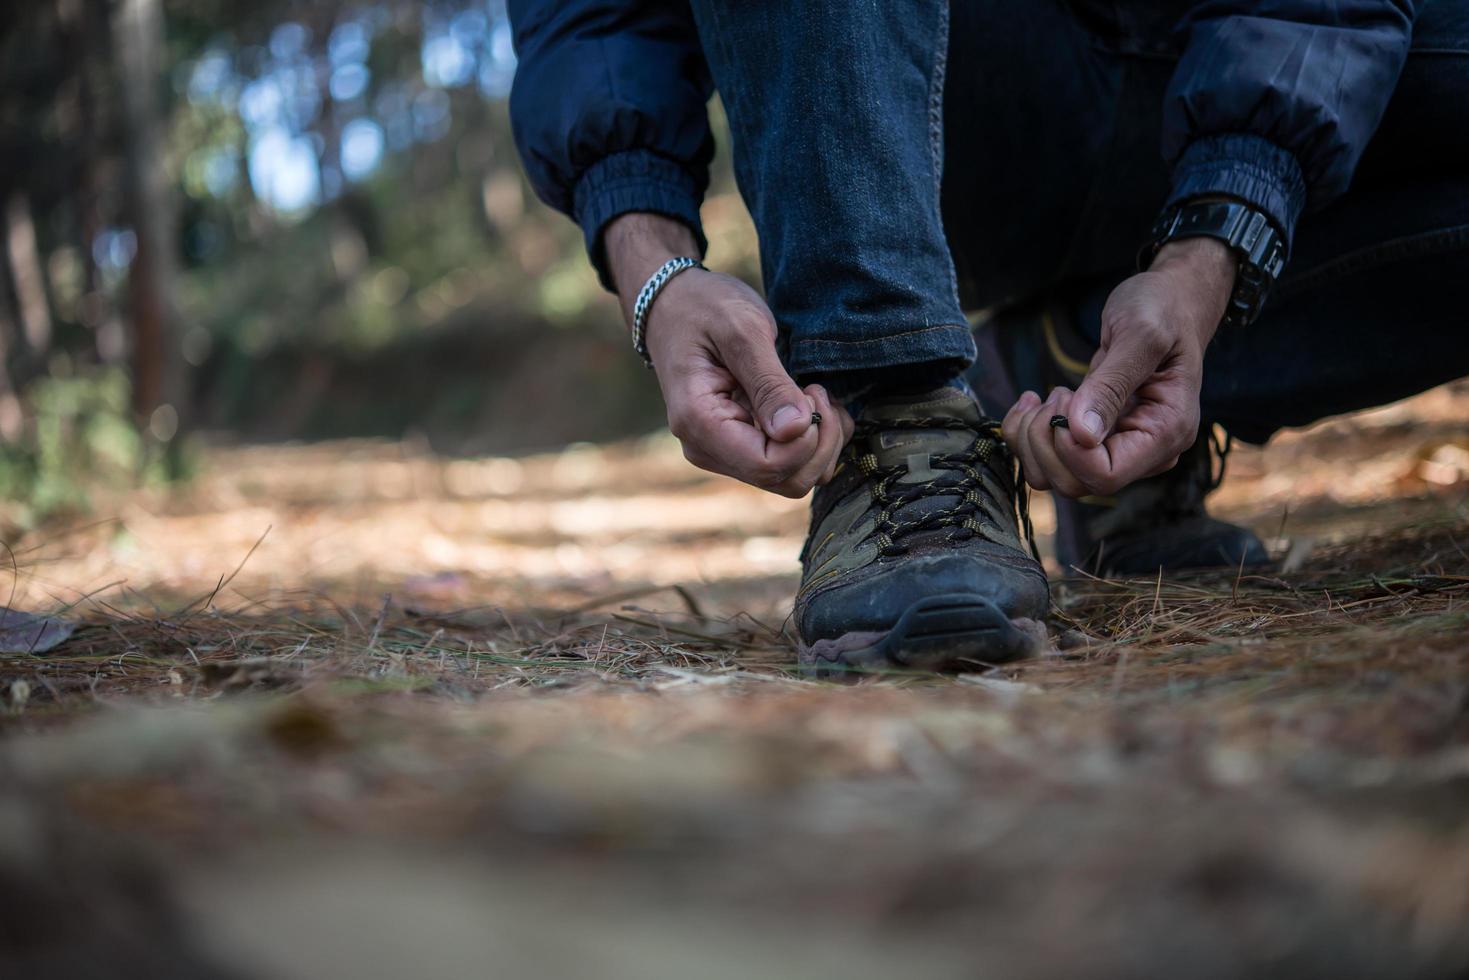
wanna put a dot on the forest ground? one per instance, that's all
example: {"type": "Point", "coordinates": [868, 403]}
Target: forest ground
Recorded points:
{"type": "Point", "coordinates": [350, 709]}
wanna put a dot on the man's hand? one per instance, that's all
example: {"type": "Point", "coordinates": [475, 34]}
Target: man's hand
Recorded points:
{"type": "Point", "coordinates": [1138, 408]}
{"type": "Point", "coordinates": [712, 340]}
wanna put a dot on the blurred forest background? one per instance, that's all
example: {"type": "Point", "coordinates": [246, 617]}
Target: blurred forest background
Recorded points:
{"type": "Point", "coordinates": [285, 220]}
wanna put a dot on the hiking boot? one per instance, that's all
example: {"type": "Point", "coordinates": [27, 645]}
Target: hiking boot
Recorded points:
{"type": "Point", "coordinates": [1157, 523]}
{"type": "Point", "coordinates": [915, 558]}
{"type": "Point", "coordinates": [1161, 523]}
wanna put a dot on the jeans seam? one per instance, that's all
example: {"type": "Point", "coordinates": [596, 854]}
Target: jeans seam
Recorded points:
{"type": "Point", "coordinates": [936, 131]}
{"type": "Point", "coordinates": [1379, 253]}
{"type": "Point", "coordinates": [936, 99]}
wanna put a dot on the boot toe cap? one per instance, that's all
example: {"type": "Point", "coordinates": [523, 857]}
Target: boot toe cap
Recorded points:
{"type": "Point", "coordinates": [876, 599]}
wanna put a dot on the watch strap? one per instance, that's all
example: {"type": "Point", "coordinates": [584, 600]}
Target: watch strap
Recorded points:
{"type": "Point", "coordinates": [1248, 233]}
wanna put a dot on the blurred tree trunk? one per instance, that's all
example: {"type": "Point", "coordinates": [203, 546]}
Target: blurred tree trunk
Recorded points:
{"type": "Point", "coordinates": [11, 416]}
{"type": "Point", "coordinates": [88, 39]}
{"type": "Point", "coordinates": [28, 276]}
{"type": "Point", "coordinates": [23, 347]}
{"type": "Point", "coordinates": [158, 382]}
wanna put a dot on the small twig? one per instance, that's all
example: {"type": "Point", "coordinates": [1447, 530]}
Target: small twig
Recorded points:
{"type": "Point", "coordinates": [209, 601]}
{"type": "Point", "coordinates": [688, 600]}
{"type": "Point", "coordinates": [1239, 573]}
{"type": "Point", "coordinates": [1284, 516]}
{"type": "Point", "coordinates": [513, 631]}
{"type": "Point", "coordinates": [377, 627]}
{"type": "Point", "coordinates": [430, 642]}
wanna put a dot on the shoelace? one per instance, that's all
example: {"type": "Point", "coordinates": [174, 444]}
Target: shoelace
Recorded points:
{"type": "Point", "coordinates": [1220, 448]}
{"type": "Point", "coordinates": [1161, 500]}
{"type": "Point", "coordinates": [962, 517]}
{"type": "Point", "coordinates": [1197, 476]}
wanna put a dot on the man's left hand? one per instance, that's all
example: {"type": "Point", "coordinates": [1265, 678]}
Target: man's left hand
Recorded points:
{"type": "Point", "coordinates": [1138, 408]}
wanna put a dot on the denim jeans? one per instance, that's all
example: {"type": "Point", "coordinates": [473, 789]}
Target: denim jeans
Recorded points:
{"type": "Point", "coordinates": [897, 156]}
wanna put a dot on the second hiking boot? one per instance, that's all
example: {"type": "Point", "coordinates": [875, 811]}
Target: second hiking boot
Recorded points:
{"type": "Point", "coordinates": [1153, 524]}
{"type": "Point", "coordinates": [1160, 523]}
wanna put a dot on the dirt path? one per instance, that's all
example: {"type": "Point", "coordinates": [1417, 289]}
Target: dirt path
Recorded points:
{"type": "Point", "coordinates": [348, 710]}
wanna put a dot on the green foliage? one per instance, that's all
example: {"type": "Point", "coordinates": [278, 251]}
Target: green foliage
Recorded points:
{"type": "Point", "coordinates": [336, 184]}
{"type": "Point", "coordinates": [79, 438]}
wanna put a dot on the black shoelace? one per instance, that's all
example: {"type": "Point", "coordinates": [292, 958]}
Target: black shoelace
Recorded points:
{"type": "Point", "coordinates": [964, 516]}
{"type": "Point", "coordinates": [1220, 448]}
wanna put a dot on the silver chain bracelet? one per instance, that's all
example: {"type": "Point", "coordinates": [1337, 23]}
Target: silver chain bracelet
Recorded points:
{"type": "Point", "coordinates": [650, 292]}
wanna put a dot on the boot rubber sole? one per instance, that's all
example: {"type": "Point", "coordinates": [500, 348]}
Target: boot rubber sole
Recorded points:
{"type": "Point", "coordinates": [937, 633]}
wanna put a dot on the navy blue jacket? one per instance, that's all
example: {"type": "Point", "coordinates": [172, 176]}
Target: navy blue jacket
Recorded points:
{"type": "Point", "coordinates": [1272, 102]}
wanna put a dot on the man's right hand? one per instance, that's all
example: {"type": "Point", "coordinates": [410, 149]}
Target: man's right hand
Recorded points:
{"type": "Point", "coordinates": [712, 340]}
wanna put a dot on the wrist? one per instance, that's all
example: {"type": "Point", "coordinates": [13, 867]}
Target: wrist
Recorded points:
{"type": "Point", "coordinates": [1206, 267]}
{"type": "Point", "coordinates": [637, 244]}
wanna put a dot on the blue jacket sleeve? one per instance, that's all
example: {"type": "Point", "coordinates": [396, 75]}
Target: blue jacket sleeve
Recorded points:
{"type": "Point", "coordinates": [608, 110]}
{"type": "Point", "coordinates": [1273, 101]}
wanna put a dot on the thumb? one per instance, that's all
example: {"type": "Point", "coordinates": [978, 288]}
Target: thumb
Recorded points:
{"type": "Point", "coordinates": [781, 409]}
{"type": "Point", "coordinates": [1117, 374]}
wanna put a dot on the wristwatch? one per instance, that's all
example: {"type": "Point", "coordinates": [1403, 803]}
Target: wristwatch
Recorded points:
{"type": "Point", "coordinates": [1247, 232]}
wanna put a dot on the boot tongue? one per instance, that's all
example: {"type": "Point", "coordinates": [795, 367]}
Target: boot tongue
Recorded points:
{"type": "Point", "coordinates": [913, 447]}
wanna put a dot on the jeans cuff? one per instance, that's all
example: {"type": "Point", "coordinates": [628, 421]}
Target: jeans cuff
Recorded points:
{"type": "Point", "coordinates": [847, 366]}
{"type": "Point", "coordinates": [634, 180]}
{"type": "Point", "coordinates": [1247, 167]}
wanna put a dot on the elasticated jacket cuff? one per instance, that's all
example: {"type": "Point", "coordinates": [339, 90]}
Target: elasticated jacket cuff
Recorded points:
{"type": "Point", "coordinates": [634, 180]}
{"type": "Point", "coordinates": [1249, 168]}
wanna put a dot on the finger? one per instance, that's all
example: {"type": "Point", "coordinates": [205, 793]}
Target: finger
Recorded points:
{"type": "Point", "coordinates": [798, 483]}
{"type": "Point", "coordinates": [1134, 354]}
{"type": "Point", "coordinates": [782, 411]}
{"type": "Point", "coordinates": [779, 462]}
{"type": "Point", "coordinates": [765, 474]}
{"type": "Point", "coordinates": [1029, 465]}
{"type": "Point", "coordinates": [1014, 424]}
{"type": "Point", "coordinates": [828, 447]}
{"type": "Point", "coordinates": [718, 435]}
{"type": "Point", "coordinates": [844, 427]}
{"type": "Point", "coordinates": [1124, 458]}
{"type": "Point", "coordinates": [1148, 443]}
{"type": "Point", "coordinates": [1041, 438]}
{"type": "Point", "coordinates": [1010, 425]}
{"type": "Point", "coordinates": [833, 419]}
{"type": "Point", "coordinates": [738, 397]}
{"type": "Point", "coordinates": [841, 433]}
{"type": "Point", "coordinates": [848, 424]}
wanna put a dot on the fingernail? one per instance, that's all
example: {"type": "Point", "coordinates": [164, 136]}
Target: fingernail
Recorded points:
{"type": "Point", "coordinates": [1092, 421]}
{"type": "Point", "coordinates": [783, 415]}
